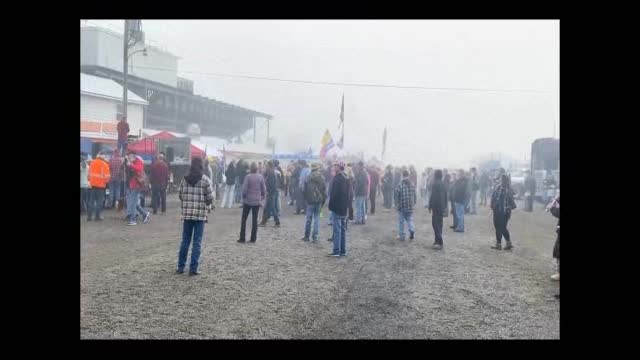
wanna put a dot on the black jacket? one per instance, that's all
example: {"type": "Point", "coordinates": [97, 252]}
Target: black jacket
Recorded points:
{"type": "Point", "coordinates": [339, 197]}
{"type": "Point", "coordinates": [361, 183]}
{"type": "Point", "coordinates": [438, 200]}
{"type": "Point", "coordinates": [230, 174]}
{"type": "Point", "coordinates": [461, 190]}
{"type": "Point", "coordinates": [387, 181]}
{"type": "Point", "coordinates": [270, 181]}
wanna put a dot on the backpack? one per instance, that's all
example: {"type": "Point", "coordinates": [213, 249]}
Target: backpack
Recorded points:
{"type": "Point", "coordinates": [312, 194]}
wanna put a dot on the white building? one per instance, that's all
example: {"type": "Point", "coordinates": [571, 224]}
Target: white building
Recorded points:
{"type": "Point", "coordinates": [102, 47]}
{"type": "Point", "coordinates": [100, 103]}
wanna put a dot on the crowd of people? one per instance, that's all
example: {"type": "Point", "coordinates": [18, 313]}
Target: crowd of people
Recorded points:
{"type": "Point", "coordinates": [349, 190]}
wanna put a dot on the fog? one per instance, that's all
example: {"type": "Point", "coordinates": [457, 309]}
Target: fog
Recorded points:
{"type": "Point", "coordinates": [425, 126]}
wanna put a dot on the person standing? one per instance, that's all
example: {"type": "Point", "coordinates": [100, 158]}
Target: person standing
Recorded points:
{"type": "Point", "coordinates": [195, 194]}
{"type": "Point", "coordinates": [530, 191]}
{"type": "Point", "coordinates": [413, 176]}
{"type": "Point", "coordinates": [450, 188]}
{"type": "Point", "coordinates": [304, 173]}
{"type": "Point", "coordinates": [475, 187]}
{"type": "Point", "coordinates": [159, 181]}
{"type": "Point", "coordinates": [315, 197]}
{"type": "Point", "coordinates": [241, 172]}
{"type": "Point", "coordinates": [136, 183]}
{"type": "Point", "coordinates": [84, 184]}
{"type": "Point", "coordinates": [293, 189]}
{"type": "Point", "coordinates": [437, 207]}
{"type": "Point", "coordinates": [361, 194]}
{"type": "Point", "coordinates": [373, 187]}
{"type": "Point", "coordinates": [117, 178]}
{"type": "Point", "coordinates": [230, 175]}
{"type": "Point", "coordinates": [338, 204]}
{"type": "Point", "coordinates": [405, 195]}
{"type": "Point", "coordinates": [485, 184]}
{"type": "Point", "coordinates": [422, 185]}
{"type": "Point", "coordinates": [351, 194]}
{"type": "Point", "coordinates": [123, 133]}
{"type": "Point", "coordinates": [502, 203]}
{"type": "Point", "coordinates": [99, 176]}
{"type": "Point", "coordinates": [387, 187]}
{"type": "Point", "coordinates": [280, 181]}
{"type": "Point", "coordinates": [397, 177]}
{"type": "Point", "coordinates": [254, 192]}
{"type": "Point", "coordinates": [460, 196]}
{"type": "Point", "coordinates": [272, 194]}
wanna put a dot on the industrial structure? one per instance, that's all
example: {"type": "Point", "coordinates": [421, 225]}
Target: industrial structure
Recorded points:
{"type": "Point", "coordinates": [152, 75]}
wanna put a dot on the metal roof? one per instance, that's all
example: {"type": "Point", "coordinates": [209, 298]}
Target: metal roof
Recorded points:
{"type": "Point", "coordinates": [106, 88]}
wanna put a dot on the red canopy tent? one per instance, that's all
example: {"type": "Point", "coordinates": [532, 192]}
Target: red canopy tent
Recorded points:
{"type": "Point", "coordinates": [148, 145]}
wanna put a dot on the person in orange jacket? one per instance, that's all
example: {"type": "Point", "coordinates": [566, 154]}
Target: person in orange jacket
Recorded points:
{"type": "Point", "coordinates": [99, 176]}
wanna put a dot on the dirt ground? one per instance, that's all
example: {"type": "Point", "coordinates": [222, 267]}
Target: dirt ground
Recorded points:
{"type": "Point", "coordinates": [284, 288]}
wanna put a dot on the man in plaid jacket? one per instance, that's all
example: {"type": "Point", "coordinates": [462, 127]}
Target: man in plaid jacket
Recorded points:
{"type": "Point", "coordinates": [196, 194]}
{"type": "Point", "coordinates": [405, 197]}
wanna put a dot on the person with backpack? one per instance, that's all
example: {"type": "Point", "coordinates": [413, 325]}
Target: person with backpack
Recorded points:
{"type": "Point", "coordinates": [315, 197]}
{"type": "Point", "coordinates": [195, 194]}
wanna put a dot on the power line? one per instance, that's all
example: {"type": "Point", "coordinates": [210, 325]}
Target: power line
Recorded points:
{"type": "Point", "coordinates": [354, 84]}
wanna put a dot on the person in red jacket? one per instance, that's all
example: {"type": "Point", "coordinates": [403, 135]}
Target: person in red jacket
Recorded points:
{"type": "Point", "coordinates": [123, 132]}
{"type": "Point", "coordinates": [159, 180]}
{"type": "Point", "coordinates": [135, 171]}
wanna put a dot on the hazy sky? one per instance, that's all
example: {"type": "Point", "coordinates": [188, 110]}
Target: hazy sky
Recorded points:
{"type": "Point", "coordinates": [434, 127]}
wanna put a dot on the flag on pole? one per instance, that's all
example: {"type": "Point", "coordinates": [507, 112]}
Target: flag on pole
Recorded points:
{"type": "Point", "coordinates": [384, 142]}
{"type": "Point", "coordinates": [326, 143]}
{"type": "Point", "coordinates": [341, 124]}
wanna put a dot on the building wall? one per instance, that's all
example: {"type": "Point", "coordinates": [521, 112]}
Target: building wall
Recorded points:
{"type": "Point", "coordinates": [98, 115]}
{"type": "Point", "coordinates": [101, 47]}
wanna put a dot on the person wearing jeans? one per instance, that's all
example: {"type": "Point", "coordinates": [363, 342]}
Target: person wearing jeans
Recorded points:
{"type": "Point", "coordinates": [361, 193]}
{"type": "Point", "coordinates": [459, 215]}
{"type": "Point", "coordinates": [272, 195]}
{"type": "Point", "coordinates": [136, 170]}
{"type": "Point", "coordinates": [315, 196]}
{"type": "Point", "coordinates": [405, 196]}
{"type": "Point", "coordinates": [230, 174]}
{"type": "Point", "coordinates": [99, 176]}
{"type": "Point", "coordinates": [338, 205]}
{"type": "Point", "coordinates": [159, 182]}
{"type": "Point", "coordinates": [195, 194]}
{"type": "Point", "coordinates": [460, 197]}
{"type": "Point", "coordinates": [402, 217]}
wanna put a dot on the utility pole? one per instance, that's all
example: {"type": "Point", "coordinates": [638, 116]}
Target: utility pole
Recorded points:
{"type": "Point", "coordinates": [125, 69]}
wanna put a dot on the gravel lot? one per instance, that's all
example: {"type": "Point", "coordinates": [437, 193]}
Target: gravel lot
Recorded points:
{"type": "Point", "coordinates": [285, 288]}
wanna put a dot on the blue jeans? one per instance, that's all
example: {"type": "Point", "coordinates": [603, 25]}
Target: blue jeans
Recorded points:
{"type": "Point", "coordinates": [339, 235]}
{"type": "Point", "coordinates": [459, 214]}
{"type": "Point", "coordinates": [96, 199]}
{"type": "Point", "coordinates": [402, 217]}
{"type": "Point", "coordinates": [133, 207]}
{"type": "Point", "coordinates": [122, 145]}
{"type": "Point", "coordinates": [191, 228]}
{"type": "Point", "coordinates": [360, 207]}
{"type": "Point", "coordinates": [312, 214]}
{"type": "Point", "coordinates": [270, 208]}
{"type": "Point", "coordinates": [114, 191]}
